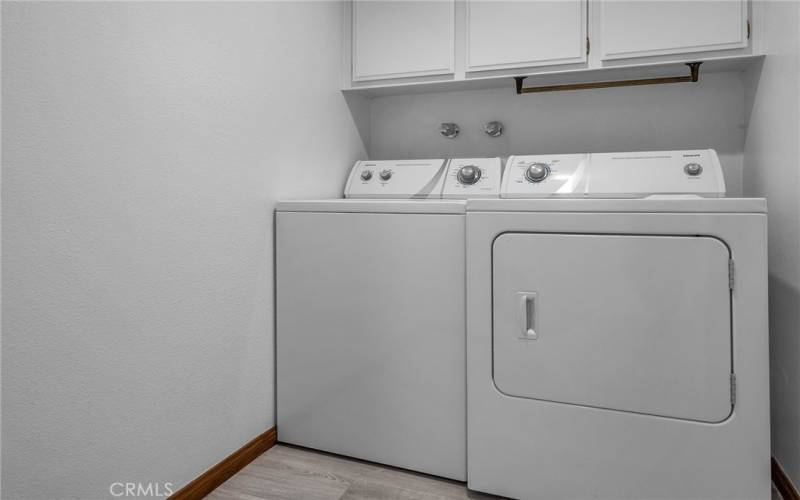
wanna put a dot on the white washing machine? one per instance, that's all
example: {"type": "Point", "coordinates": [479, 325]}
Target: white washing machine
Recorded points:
{"type": "Point", "coordinates": [370, 333]}
{"type": "Point", "coordinates": [617, 331]}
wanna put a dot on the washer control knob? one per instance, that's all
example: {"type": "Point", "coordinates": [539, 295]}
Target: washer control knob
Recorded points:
{"type": "Point", "coordinates": [469, 174]}
{"type": "Point", "coordinates": [537, 172]}
{"type": "Point", "coordinates": [693, 169]}
{"type": "Point", "coordinates": [385, 175]}
{"type": "Point", "coordinates": [366, 175]}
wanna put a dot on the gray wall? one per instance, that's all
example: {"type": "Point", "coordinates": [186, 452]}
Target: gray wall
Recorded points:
{"type": "Point", "coordinates": [143, 147]}
{"type": "Point", "coordinates": [709, 114]}
{"type": "Point", "coordinates": [772, 156]}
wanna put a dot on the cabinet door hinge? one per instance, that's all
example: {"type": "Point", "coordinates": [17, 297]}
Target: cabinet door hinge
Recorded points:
{"type": "Point", "coordinates": [731, 279]}
{"type": "Point", "coordinates": [588, 45]}
{"type": "Point", "coordinates": [733, 389]}
{"type": "Point", "coordinates": [748, 29]}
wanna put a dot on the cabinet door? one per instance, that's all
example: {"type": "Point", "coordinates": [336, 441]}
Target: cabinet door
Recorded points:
{"type": "Point", "coordinates": [514, 34]}
{"type": "Point", "coordinates": [651, 28]}
{"type": "Point", "coordinates": [395, 39]}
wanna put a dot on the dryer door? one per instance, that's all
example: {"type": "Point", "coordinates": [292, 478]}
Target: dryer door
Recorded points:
{"type": "Point", "coordinates": [633, 323]}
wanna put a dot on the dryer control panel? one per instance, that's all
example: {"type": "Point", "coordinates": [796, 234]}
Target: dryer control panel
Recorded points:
{"type": "Point", "coordinates": [615, 175]}
{"type": "Point", "coordinates": [545, 176]}
{"type": "Point", "coordinates": [473, 178]}
{"type": "Point", "coordinates": [396, 179]}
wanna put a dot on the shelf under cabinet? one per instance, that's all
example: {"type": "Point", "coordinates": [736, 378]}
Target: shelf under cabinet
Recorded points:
{"type": "Point", "coordinates": [558, 77]}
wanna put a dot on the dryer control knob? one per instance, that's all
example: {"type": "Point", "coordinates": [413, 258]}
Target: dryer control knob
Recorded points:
{"type": "Point", "coordinates": [366, 175]}
{"type": "Point", "coordinates": [385, 175]}
{"type": "Point", "coordinates": [469, 174]}
{"type": "Point", "coordinates": [693, 169]}
{"type": "Point", "coordinates": [537, 172]}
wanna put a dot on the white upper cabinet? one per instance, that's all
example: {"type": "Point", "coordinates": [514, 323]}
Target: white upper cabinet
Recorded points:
{"type": "Point", "coordinates": [397, 39]}
{"type": "Point", "coordinates": [449, 44]}
{"type": "Point", "coordinates": [518, 34]}
{"type": "Point", "coordinates": [629, 29]}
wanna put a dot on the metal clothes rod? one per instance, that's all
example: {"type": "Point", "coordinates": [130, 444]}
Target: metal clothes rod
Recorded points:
{"type": "Point", "coordinates": [693, 76]}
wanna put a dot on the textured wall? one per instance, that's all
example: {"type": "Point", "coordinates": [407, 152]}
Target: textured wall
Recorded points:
{"type": "Point", "coordinates": [709, 114]}
{"type": "Point", "coordinates": [143, 146]}
{"type": "Point", "coordinates": [772, 152]}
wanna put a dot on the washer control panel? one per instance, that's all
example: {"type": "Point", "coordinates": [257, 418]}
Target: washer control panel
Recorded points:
{"type": "Point", "coordinates": [537, 172]}
{"type": "Point", "coordinates": [615, 175]}
{"type": "Point", "coordinates": [545, 176]}
{"type": "Point", "coordinates": [396, 179]}
{"type": "Point", "coordinates": [473, 178]}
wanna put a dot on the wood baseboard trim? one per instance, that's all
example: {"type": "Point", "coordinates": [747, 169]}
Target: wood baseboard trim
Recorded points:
{"type": "Point", "coordinates": [782, 482]}
{"type": "Point", "coordinates": [208, 481]}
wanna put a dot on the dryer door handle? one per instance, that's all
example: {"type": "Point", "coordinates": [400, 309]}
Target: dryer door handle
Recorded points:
{"type": "Point", "coordinates": [527, 315]}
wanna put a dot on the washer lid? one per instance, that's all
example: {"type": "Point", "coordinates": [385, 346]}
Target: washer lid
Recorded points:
{"type": "Point", "coordinates": [374, 206]}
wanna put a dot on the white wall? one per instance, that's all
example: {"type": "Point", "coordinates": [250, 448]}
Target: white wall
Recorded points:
{"type": "Point", "coordinates": [772, 156]}
{"type": "Point", "coordinates": [709, 114]}
{"type": "Point", "coordinates": [143, 147]}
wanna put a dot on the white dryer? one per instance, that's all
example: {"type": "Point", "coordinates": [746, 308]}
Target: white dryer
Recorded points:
{"type": "Point", "coordinates": [617, 331]}
{"type": "Point", "coordinates": [370, 333]}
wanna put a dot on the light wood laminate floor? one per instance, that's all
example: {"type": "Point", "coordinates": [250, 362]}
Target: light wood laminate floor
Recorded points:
{"type": "Point", "coordinates": [292, 473]}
